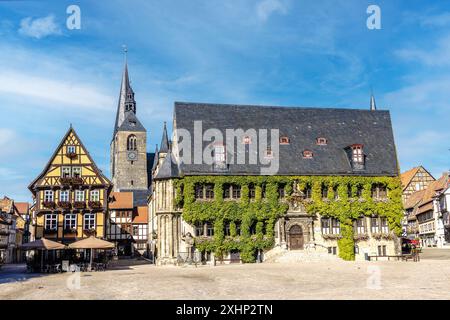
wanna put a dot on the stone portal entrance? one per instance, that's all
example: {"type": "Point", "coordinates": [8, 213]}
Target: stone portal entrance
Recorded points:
{"type": "Point", "coordinates": [296, 238]}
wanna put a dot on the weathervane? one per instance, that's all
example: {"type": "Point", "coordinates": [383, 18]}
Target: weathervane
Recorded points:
{"type": "Point", "coordinates": [125, 50]}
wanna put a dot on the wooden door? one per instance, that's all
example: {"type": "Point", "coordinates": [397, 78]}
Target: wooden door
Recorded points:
{"type": "Point", "coordinates": [296, 238]}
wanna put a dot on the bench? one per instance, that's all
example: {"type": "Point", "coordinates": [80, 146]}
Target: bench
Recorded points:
{"type": "Point", "coordinates": [395, 257]}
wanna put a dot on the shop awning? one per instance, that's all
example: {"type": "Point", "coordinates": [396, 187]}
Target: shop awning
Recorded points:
{"type": "Point", "coordinates": [91, 243]}
{"type": "Point", "coordinates": [43, 244]}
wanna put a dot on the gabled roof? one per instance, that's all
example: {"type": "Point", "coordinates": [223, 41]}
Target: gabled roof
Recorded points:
{"type": "Point", "coordinates": [341, 128]}
{"type": "Point", "coordinates": [169, 168]}
{"type": "Point", "coordinates": [47, 166]}
{"type": "Point", "coordinates": [407, 176]}
{"type": "Point", "coordinates": [22, 207]}
{"type": "Point", "coordinates": [6, 205]}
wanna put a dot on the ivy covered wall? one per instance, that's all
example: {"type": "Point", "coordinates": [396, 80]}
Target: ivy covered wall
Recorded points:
{"type": "Point", "coordinates": [347, 199]}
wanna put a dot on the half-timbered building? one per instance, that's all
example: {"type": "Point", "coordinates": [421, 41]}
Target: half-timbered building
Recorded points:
{"type": "Point", "coordinates": [127, 224]}
{"type": "Point", "coordinates": [71, 194]}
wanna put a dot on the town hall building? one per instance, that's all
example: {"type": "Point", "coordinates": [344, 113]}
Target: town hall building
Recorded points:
{"type": "Point", "coordinates": [322, 180]}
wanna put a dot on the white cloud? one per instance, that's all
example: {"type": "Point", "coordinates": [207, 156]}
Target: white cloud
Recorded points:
{"type": "Point", "coordinates": [439, 20]}
{"type": "Point", "coordinates": [51, 90]}
{"type": "Point", "coordinates": [438, 56]}
{"type": "Point", "coordinates": [39, 27]}
{"type": "Point", "coordinates": [267, 7]}
{"type": "Point", "coordinates": [6, 135]}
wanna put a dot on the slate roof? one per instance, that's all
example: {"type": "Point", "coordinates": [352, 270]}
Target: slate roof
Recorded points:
{"type": "Point", "coordinates": [150, 161]}
{"type": "Point", "coordinates": [169, 168]}
{"type": "Point", "coordinates": [341, 128]}
{"type": "Point", "coordinates": [131, 123]}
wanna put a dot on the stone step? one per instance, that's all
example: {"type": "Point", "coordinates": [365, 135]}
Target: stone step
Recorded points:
{"type": "Point", "coordinates": [279, 254]}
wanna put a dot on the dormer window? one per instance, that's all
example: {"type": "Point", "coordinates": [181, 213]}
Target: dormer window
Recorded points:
{"type": "Point", "coordinates": [357, 154]}
{"type": "Point", "coordinates": [269, 153]}
{"type": "Point", "coordinates": [307, 154]}
{"type": "Point", "coordinates": [246, 140]}
{"type": "Point", "coordinates": [321, 141]}
{"type": "Point", "coordinates": [284, 140]}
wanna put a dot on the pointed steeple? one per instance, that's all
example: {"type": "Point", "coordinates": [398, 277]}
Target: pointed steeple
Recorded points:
{"type": "Point", "coordinates": [155, 159]}
{"type": "Point", "coordinates": [164, 141]}
{"type": "Point", "coordinates": [373, 105]}
{"type": "Point", "coordinates": [126, 100]}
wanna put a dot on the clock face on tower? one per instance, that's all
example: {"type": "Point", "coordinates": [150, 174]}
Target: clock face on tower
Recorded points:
{"type": "Point", "coordinates": [132, 155]}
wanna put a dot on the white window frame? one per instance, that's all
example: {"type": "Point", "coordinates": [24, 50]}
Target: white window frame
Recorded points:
{"type": "Point", "coordinates": [77, 195]}
{"type": "Point", "coordinates": [64, 196]}
{"type": "Point", "coordinates": [51, 221]}
{"type": "Point", "coordinates": [71, 149]}
{"type": "Point", "coordinates": [335, 226]}
{"type": "Point", "coordinates": [74, 169]}
{"type": "Point", "coordinates": [49, 195]}
{"type": "Point", "coordinates": [66, 170]}
{"type": "Point", "coordinates": [70, 221]}
{"type": "Point", "coordinates": [325, 229]}
{"type": "Point", "coordinates": [219, 153]}
{"type": "Point", "coordinates": [357, 154]}
{"type": "Point", "coordinates": [88, 219]}
{"type": "Point", "coordinates": [94, 195]}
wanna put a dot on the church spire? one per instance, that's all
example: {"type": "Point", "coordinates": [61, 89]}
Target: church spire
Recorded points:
{"type": "Point", "coordinates": [155, 160]}
{"type": "Point", "coordinates": [373, 105]}
{"type": "Point", "coordinates": [126, 99]}
{"type": "Point", "coordinates": [164, 141]}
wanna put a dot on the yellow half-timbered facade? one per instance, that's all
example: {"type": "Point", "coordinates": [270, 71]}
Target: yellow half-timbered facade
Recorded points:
{"type": "Point", "coordinates": [71, 194]}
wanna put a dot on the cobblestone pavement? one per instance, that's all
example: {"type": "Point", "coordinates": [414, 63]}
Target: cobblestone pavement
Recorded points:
{"type": "Point", "coordinates": [428, 279]}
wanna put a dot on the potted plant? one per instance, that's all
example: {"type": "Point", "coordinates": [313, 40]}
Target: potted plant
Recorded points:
{"type": "Point", "coordinates": [79, 204]}
{"type": "Point", "coordinates": [49, 204]}
{"type": "Point", "coordinates": [95, 204]}
{"type": "Point", "coordinates": [64, 204]}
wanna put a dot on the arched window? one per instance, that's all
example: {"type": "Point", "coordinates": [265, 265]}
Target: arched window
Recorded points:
{"type": "Point", "coordinates": [131, 142]}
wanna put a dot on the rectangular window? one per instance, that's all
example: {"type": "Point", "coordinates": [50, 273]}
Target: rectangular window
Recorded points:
{"type": "Point", "coordinates": [382, 251]}
{"type": "Point", "coordinates": [384, 225]}
{"type": "Point", "coordinates": [209, 191]}
{"type": "Point", "coordinates": [236, 191]}
{"type": "Point", "coordinates": [238, 229]}
{"type": "Point", "coordinates": [361, 225]}
{"type": "Point", "coordinates": [198, 191]}
{"type": "Point", "coordinates": [325, 225]}
{"type": "Point", "coordinates": [375, 225]}
{"type": "Point", "coordinates": [357, 154]}
{"type": "Point", "coordinates": [64, 196]}
{"type": "Point", "coordinates": [65, 172]}
{"type": "Point", "coordinates": [281, 191]}
{"type": "Point", "coordinates": [95, 195]}
{"type": "Point", "coordinates": [51, 221]}
{"type": "Point", "coordinates": [335, 226]}
{"type": "Point", "coordinates": [48, 195]}
{"type": "Point", "coordinates": [199, 230]}
{"type": "Point", "coordinates": [209, 229]}
{"type": "Point", "coordinates": [135, 231]}
{"type": "Point", "coordinates": [227, 229]}
{"type": "Point", "coordinates": [76, 172]}
{"type": "Point", "coordinates": [324, 192]}
{"type": "Point", "coordinates": [308, 193]}
{"type": "Point", "coordinates": [219, 154]}
{"type": "Point", "coordinates": [71, 149]}
{"type": "Point", "coordinates": [251, 191]}
{"type": "Point", "coordinates": [70, 221]}
{"type": "Point", "coordinates": [226, 191]}
{"type": "Point", "coordinates": [79, 195]}
{"type": "Point", "coordinates": [379, 192]}
{"type": "Point", "coordinates": [89, 221]}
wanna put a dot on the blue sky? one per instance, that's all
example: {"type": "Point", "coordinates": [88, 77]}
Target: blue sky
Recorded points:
{"type": "Point", "coordinates": [278, 52]}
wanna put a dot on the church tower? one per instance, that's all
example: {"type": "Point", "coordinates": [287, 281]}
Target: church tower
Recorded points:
{"type": "Point", "coordinates": [128, 150]}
